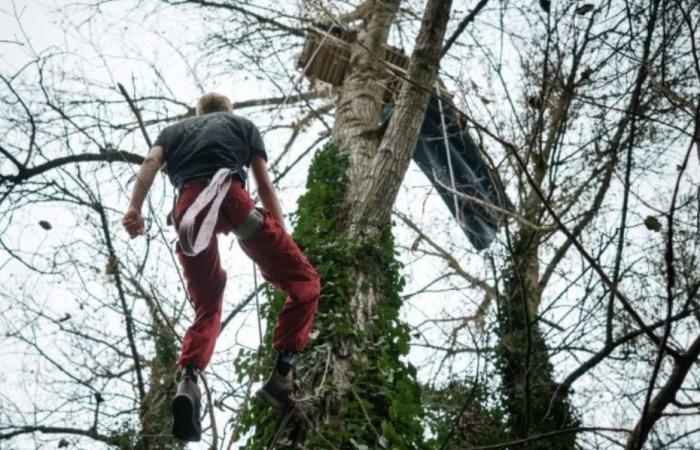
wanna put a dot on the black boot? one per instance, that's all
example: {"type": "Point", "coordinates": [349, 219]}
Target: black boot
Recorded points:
{"type": "Point", "coordinates": [186, 407]}
{"type": "Point", "coordinates": [277, 390]}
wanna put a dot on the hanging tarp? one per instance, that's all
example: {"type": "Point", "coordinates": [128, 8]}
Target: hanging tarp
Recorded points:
{"type": "Point", "coordinates": [471, 175]}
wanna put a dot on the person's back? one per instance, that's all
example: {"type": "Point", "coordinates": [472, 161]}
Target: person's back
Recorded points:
{"type": "Point", "coordinates": [199, 146]}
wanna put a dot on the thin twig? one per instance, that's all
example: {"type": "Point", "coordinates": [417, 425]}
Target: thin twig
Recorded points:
{"type": "Point", "coordinates": [137, 113]}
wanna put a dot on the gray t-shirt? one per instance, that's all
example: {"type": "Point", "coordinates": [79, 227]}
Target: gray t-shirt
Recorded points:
{"type": "Point", "coordinates": [198, 147]}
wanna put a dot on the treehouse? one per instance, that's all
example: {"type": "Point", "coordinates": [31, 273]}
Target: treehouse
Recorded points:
{"type": "Point", "coordinates": [445, 151]}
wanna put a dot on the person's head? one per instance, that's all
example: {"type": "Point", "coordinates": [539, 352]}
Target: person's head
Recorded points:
{"type": "Point", "coordinates": [213, 102]}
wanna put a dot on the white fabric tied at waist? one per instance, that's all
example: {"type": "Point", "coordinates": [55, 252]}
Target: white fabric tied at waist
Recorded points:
{"type": "Point", "coordinates": [213, 194]}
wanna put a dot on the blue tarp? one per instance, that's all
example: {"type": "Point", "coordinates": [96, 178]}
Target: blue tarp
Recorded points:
{"type": "Point", "coordinates": [471, 176]}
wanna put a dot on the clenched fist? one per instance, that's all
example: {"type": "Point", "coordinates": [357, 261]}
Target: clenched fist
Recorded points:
{"type": "Point", "coordinates": [133, 222]}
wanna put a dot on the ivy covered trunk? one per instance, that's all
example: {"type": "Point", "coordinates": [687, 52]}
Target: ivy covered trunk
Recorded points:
{"type": "Point", "coordinates": [533, 402]}
{"type": "Point", "coordinates": [354, 391]}
{"type": "Point", "coordinates": [531, 398]}
{"type": "Point", "coordinates": [155, 415]}
{"type": "Point", "coordinates": [155, 411]}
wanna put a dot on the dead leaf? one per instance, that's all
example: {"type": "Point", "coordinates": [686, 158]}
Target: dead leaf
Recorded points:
{"type": "Point", "coordinates": [652, 223]}
{"type": "Point", "coordinates": [583, 9]}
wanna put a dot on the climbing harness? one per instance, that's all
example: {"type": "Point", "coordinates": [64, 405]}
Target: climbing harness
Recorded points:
{"type": "Point", "coordinates": [250, 225]}
{"type": "Point", "coordinates": [213, 195]}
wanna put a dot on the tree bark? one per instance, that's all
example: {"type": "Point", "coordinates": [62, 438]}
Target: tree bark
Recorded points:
{"type": "Point", "coordinates": [377, 167]}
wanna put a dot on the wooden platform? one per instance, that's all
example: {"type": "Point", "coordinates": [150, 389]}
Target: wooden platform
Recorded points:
{"type": "Point", "coordinates": [331, 61]}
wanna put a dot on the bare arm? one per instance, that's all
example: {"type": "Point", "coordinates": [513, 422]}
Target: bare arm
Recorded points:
{"type": "Point", "coordinates": [133, 220]}
{"type": "Point", "coordinates": [266, 190]}
{"type": "Point", "coordinates": [144, 179]}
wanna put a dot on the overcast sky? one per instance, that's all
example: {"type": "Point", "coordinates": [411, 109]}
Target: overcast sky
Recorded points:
{"type": "Point", "coordinates": [120, 29]}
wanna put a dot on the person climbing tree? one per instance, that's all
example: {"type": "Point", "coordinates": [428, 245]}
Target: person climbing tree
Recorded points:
{"type": "Point", "coordinates": [206, 159]}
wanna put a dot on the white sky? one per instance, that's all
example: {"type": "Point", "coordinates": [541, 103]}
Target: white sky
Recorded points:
{"type": "Point", "coordinates": [44, 30]}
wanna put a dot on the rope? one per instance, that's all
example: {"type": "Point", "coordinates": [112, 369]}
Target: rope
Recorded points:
{"type": "Point", "coordinates": [300, 77]}
{"type": "Point", "coordinates": [458, 214]}
{"type": "Point", "coordinates": [256, 371]}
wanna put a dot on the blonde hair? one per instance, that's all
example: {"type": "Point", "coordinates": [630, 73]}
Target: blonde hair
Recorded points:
{"type": "Point", "coordinates": [213, 102]}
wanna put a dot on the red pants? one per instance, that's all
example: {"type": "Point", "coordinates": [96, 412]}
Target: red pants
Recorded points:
{"type": "Point", "coordinates": [281, 263]}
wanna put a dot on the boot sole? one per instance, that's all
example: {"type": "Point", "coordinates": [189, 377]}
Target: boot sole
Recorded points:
{"type": "Point", "coordinates": [184, 419]}
{"type": "Point", "coordinates": [263, 395]}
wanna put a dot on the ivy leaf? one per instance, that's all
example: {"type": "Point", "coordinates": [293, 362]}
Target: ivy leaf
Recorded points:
{"type": "Point", "coordinates": [358, 445]}
{"type": "Point", "coordinates": [388, 431]}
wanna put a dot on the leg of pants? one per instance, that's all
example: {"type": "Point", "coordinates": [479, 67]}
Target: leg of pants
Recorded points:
{"type": "Point", "coordinates": [205, 281]}
{"type": "Point", "coordinates": [283, 264]}
{"type": "Point", "coordinates": [280, 260]}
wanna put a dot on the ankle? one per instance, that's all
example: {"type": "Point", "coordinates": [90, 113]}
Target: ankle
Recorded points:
{"type": "Point", "coordinates": [285, 362]}
{"type": "Point", "coordinates": [190, 372]}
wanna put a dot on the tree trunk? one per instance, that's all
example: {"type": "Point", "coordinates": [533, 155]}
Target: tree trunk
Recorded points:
{"type": "Point", "coordinates": [534, 403]}
{"type": "Point", "coordinates": [535, 406]}
{"type": "Point", "coordinates": [355, 391]}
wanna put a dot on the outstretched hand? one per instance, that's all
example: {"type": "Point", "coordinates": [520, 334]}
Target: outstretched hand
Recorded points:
{"type": "Point", "coordinates": [133, 222]}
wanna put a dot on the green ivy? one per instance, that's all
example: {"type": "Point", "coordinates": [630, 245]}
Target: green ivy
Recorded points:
{"type": "Point", "coordinates": [464, 414]}
{"type": "Point", "coordinates": [156, 415]}
{"type": "Point", "coordinates": [535, 403]}
{"type": "Point", "coordinates": [383, 388]}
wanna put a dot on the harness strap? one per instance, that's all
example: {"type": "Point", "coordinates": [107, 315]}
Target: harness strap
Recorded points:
{"type": "Point", "coordinates": [250, 225]}
{"type": "Point", "coordinates": [213, 194]}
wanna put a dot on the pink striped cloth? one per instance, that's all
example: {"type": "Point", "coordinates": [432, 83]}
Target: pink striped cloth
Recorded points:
{"type": "Point", "coordinates": [212, 195]}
